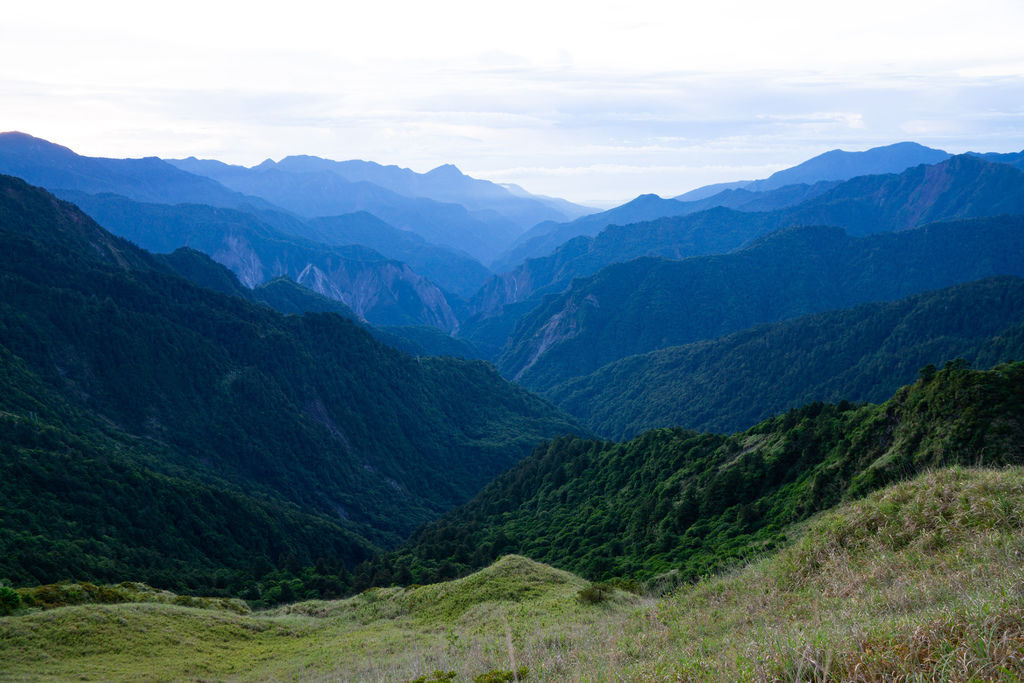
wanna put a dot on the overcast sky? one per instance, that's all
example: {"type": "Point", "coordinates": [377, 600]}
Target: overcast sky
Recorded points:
{"type": "Point", "coordinates": [588, 101]}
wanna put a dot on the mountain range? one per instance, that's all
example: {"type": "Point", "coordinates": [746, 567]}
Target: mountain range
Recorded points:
{"type": "Point", "coordinates": [839, 164]}
{"type": "Point", "coordinates": [380, 290]}
{"type": "Point", "coordinates": [783, 188]}
{"type": "Point", "coordinates": [651, 303]}
{"type": "Point", "coordinates": [617, 328]}
{"type": "Point", "coordinates": [961, 186]}
{"type": "Point", "coordinates": [272, 412]}
{"type": "Point", "coordinates": [864, 353]}
{"type": "Point", "coordinates": [443, 206]}
{"type": "Point", "coordinates": [164, 207]}
{"type": "Point", "coordinates": [155, 428]}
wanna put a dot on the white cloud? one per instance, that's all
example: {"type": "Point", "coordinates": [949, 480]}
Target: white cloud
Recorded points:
{"type": "Point", "coordinates": [574, 99]}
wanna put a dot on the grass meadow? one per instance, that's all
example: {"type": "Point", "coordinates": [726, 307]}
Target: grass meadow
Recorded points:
{"type": "Point", "coordinates": [920, 581]}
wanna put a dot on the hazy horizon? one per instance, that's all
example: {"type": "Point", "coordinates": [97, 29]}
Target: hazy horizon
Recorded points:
{"type": "Point", "coordinates": [590, 102]}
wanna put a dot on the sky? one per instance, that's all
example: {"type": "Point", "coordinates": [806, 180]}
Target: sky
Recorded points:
{"type": "Point", "coordinates": [595, 102]}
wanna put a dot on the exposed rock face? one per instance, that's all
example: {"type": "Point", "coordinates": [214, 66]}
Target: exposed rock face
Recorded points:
{"type": "Point", "coordinates": [237, 255]}
{"type": "Point", "coordinates": [388, 292]}
{"type": "Point", "coordinates": [380, 290]}
{"type": "Point", "coordinates": [561, 326]}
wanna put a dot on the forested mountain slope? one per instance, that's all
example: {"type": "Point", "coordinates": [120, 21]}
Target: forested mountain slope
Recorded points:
{"type": "Point", "coordinates": [860, 354]}
{"type": "Point", "coordinates": [159, 431]}
{"type": "Point", "coordinates": [648, 304]}
{"type": "Point", "coordinates": [681, 502]}
{"type": "Point", "coordinates": [960, 187]}
{"type": "Point", "coordinates": [782, 189]}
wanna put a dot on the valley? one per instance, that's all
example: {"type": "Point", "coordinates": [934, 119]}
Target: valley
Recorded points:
{"type": "Point", "coordinates": [338, 419]}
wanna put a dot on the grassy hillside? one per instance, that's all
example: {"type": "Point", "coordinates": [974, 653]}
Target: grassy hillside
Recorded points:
{"type": "Point", "coordinates": [913, 582]}
{"type": "Point", "coordinates": [516, 610]}
{"type": "Point", "coordinates": [916, 582]}
{"type": "Point", "coordinates": [683, 504]}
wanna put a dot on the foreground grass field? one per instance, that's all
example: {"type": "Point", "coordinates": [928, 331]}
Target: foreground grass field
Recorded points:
{"type": "Point", "coordinates": [921, 581]}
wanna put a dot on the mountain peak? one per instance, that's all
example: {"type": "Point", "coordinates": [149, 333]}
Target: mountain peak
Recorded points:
{"type": "Point", "coordinates": [446, 170]}
{"type": "Point", "coordinates": [649, 197]}
{"type": "Point", "coordinates": [18, 142]}
{"type": "Point", "coordinates": [839, 164]}
{"type": "Point", "coordinates": [18, 135]}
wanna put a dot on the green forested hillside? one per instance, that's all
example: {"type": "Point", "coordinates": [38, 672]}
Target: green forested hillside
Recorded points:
{"type": "Point", "coordinates": [158, 431]}
{"type": "Point", "coordinates": [381, 290]}
{"type": "Point", "coordinates": [859, 354]}
{"type": "Point", "coordinates": [683, 504]}
{"type": "Point", "coordinates": [649, 304]}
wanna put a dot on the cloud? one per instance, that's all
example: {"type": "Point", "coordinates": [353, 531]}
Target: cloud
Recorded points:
{"type": "Point", "coordinates": [601, 99]}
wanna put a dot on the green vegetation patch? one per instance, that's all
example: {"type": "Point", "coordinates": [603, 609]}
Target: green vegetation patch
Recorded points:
{"type": "Point", "coordinates": [672, 505]}
{"type": "Point", "coordinates": [516, 616]}
{"type": "Point", "coordinates": [857, 354]}
{"type": "Point", "coordinates": [918, 581]}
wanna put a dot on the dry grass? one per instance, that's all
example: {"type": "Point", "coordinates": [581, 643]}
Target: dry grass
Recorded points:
{"type": "Point", "coordinates": [922, 581]}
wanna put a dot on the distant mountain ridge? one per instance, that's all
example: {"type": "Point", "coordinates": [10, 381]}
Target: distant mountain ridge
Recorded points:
{"type": "Point", "coordinates": [833, 166]}
{"type": "Point", "coordinates": [647, 304]}
{"type": "Point", "coordinates": [1015, 159]}
{"type": "Point", "coordinates": [312, 194]}
{"type": "Point", "coordinates": [839, 164]}
{"type": "Point", "coordinates": [444, 205]}
{"type": "Point", "coordinates": [961, 186]}
{"type": "Point", "coordinates": [43, 163]}
{"type": "Point", "coordinates": [859, 354]}
{"type": "Point", "coordinates": [446, 183]}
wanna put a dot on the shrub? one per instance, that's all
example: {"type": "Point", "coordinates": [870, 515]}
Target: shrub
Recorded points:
{"type": "Point", "coordinates": [595, 593]}
{"type": "Point", "coordinates": [503, 676]}
{"type": "Point", "coordinates": [9, 600]}
{"type": "Point", "coordinates": [436, 677]}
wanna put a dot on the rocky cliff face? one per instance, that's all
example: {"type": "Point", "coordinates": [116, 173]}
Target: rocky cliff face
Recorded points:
{"type": "Point", "coordinates": [380, 290]}
{"type": "Point", "coordinates": [388, 292]}
{"type": "Point", "coordinates": [562, 326]}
